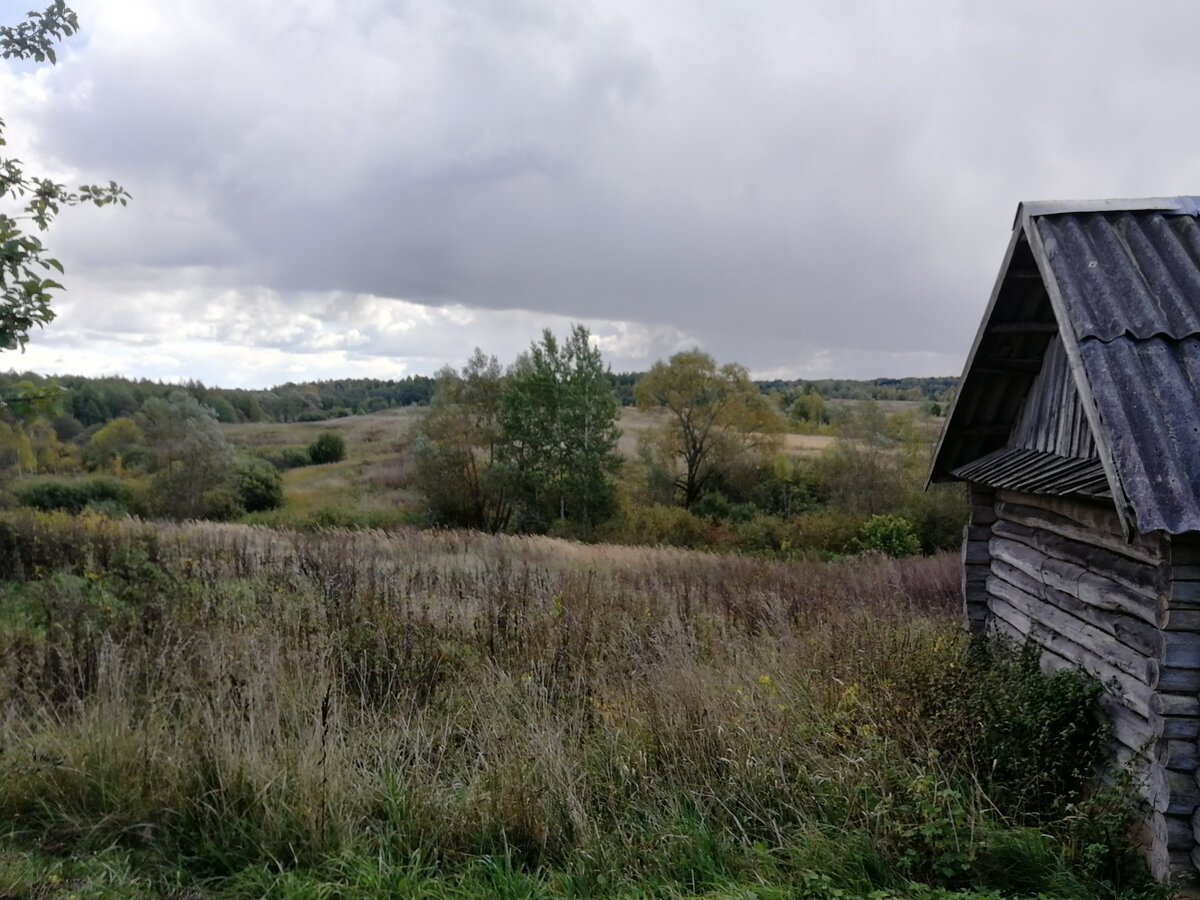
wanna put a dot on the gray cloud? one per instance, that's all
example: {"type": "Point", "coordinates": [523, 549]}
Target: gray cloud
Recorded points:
{"type": "Point", "coordinates": [814, 188]}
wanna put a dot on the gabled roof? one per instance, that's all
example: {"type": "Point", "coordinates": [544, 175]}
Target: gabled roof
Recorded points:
{"type": "Point", "coordinates": [1119, 282]}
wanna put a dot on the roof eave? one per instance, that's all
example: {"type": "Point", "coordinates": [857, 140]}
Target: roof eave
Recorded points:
{"type": "Point", "coordinates": [939, 469]}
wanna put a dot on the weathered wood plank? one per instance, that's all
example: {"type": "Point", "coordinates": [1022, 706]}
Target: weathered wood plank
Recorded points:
{"type": "Point", "coordinates": [1126, 690]}
{"type": "Point", "coordinates": [1140, 577]}
{"type": "Point", "coordinates": [1172, 832]}
{"type": "Point", "coordinates": [1177, 793]}
{"type": "Point", "coordinates": [975, 553]}
{"type": "Point", "coordinates": [1175, 618]}
{"type": "Point", "coordinates": [1176, 705]}
{"type": "Point", "coordinates": [1179, 754]}
{"type": "Point", "coordinates": [1178, 681]}
{"type": "Point", "coordinates": [1137, 633]}
{"type": "Point", "coordinates": [978, 532]}
{"type": "Point", "coordinates": [1020, 512]}
{"type": "Point", "coordinates": [1092, 515]}
{"type": "Point", "coordinates": [1185, 593]}
{"type": "Point", "coordinates": [1101, 592]}
{"type": "Point", "coordinates": [1180, 727]}
{"type": "Point", "coordinates": [1007, 621]}
{"type": "Point", "coordinates": [1181, 649]}
{"type": "Point", "coordinates": [1133, 731]}
{"type": "Point", "coordinates": [1094, 645]}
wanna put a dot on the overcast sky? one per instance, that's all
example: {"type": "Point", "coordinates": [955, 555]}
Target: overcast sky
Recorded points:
{"type": "Point", "coordinates": [344, 188]}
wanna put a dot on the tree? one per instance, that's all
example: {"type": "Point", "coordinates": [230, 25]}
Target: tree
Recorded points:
{"type": "Point", "coordinates": [558, 416]}
{"type": "Point", "coordinates": [25, 293]}
{"type": "Point", "coordinates": [715, 417]}
{"type": "Point", "coordinates": [109, 446]}
{"type": "Point", "coordinates": [194, 466]}
{"type": "Point", "coordinates": [457, 448]}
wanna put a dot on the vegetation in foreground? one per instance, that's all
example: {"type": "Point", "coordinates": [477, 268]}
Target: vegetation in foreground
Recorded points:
{"type": "Point", "coordinates": [216, 710]}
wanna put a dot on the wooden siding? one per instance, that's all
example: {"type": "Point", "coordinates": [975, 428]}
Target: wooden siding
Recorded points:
{"type": "Point", "coordinates": [1059, 573]}
{"type": "Point", "coordinates": [1052, 419]}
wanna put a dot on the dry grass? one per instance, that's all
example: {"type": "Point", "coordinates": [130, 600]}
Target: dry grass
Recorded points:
{"type": "Point", "coordinates": [243, 700]}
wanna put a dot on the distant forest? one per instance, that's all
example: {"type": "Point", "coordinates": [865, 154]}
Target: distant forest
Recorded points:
{"type": "Point", "coordinates": [95, 401]}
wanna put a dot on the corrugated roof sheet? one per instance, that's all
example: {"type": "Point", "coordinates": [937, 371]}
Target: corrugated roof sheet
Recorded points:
{"type": "Point", "coordinates": [1037, 472]}
{"type": "Point", "coordinates": [1148, 395]}
{"type": "Point", "coordinates": [1127, 275]}
{"type": "Point", "coordinates": [1128, 283]}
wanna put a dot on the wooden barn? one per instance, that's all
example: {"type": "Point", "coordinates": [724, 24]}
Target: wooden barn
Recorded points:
{"type": "Point", "coordinates": [1077, 430]}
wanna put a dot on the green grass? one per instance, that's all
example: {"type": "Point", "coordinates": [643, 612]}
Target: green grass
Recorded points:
{"type": "Point", "coordinates": [233, 712]}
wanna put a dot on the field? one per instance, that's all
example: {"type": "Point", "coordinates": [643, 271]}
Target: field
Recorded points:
{"type": "Point", "coordinates": [226, 711]}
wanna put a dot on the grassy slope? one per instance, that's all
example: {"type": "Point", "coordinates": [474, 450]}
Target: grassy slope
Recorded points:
{"type": "Point", "coordinates": [236, 712]}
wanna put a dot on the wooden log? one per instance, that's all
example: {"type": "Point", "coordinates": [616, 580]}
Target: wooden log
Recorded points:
{"type": "Point", "coordinates": [1176, 793]}
{"type": "Point", "coordinates": [1172, 832]}
{"type": "Point", "coordinates": [1181, 727]}
{"type": "Point", "coordinates": [1184, 573]}
{"type": "Point", "coordinates": [1125, 690]}
{"type": "Point", "coordinates": [978, 532]}
{"type": "Point", "coordinates": [1180, 754]}
{"type": "Point", "coordinates": [1139, 577]}
{"type": "Point", "coordinates": [1105, 594]}
{"type": "Point", "coordinates": [1175, 618]}
{"type": "Point", "coordinates": [1008, 622]}
{"type": "Point", "coordinates": [998, 629]}
{"type": "Point", "coordinates": [1176, 705]}
{"type": "Point", "coordinates": [1123, 758]}
{"type": "Point", "coordinates": [1018, 508]}
{"type": "Point", "coordinates": [975, 553]}
{"type": "Point", "coordinates": [1181, 868]}
{"type": "Point", "coordinates": [1185, 594]}
{"type": "Point", "coordinates": [1095, 646]}
{"type": "Point", "coordinates": [1134, 632]}
{"type": "Point", "coordinates": [1131, 730]}
{"type": "Point", "coordinates": [1195, 821]}
{"type": "Point", "coordinates": [1181, 649]}
{"type": "Point", "coordinates": [1178, 681]}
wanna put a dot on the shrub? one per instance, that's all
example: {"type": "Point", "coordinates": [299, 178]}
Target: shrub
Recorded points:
{"type": "Point", "coordinates": [826, 531]}
{"type": "Point", "coordinates": [221, 504]}
{"type": "Point", "coordinates": [75, 495]}
{"type": "Point", "coordinates": [327, 448]}
{"type": "Point", "coordinates": [1032, 740]}
{"type": "Point", "coordinates": [259, 486]}
{"type": "Point", "coordinates": [889, 534]}
{"type": "Point", "coordinates": [658, 525]}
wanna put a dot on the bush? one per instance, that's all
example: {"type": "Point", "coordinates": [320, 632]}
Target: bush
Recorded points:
{"type": "Point", "coordinates": [826, 531]}
{"type": "Point", "coordinates": [658, 525]}
{"type": "Point", "coordinates": [221, 504]}
{"type": "Point", "coordinates": [73, 496]}
{"type": "Point", "coordinates": [327, 448]}
{"type": "Point", "coordinates": [889, 534]}
{"type": "Point", "coordinates": [259, 486]}
{"type": "Point", "coordinates": [1031, 739]}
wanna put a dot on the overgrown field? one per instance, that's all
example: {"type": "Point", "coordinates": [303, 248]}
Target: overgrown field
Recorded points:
{"type": "Point", "coordinates": [217, 710]}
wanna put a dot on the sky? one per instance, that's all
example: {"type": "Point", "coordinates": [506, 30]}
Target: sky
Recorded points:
{"type": "Point", "coordinates": [361, 188]}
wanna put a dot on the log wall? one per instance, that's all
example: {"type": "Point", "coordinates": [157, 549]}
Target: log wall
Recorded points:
{"type": "Point", "coordinates": [1059, 572]}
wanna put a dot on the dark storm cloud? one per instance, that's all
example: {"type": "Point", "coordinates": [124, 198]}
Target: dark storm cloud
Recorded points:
{"type": "Point", "coordinates": [784, 183]}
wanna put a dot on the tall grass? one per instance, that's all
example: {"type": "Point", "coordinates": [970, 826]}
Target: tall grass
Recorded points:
{"type": "Point", "coordinates": [257, 709]}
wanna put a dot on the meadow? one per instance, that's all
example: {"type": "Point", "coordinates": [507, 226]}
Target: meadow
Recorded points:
{"type": "Point", "coordinates": [207, 710]}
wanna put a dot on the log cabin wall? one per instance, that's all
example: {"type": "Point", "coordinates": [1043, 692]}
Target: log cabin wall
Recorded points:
{"type": "Point", "coordinates": [1058, 571]}
{"type": "Point", "coordinates": [977, 559]}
